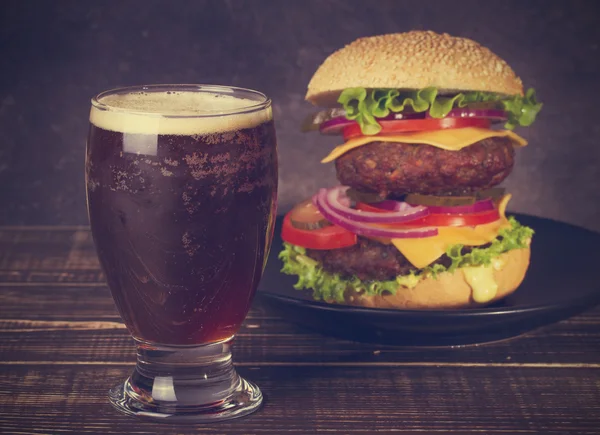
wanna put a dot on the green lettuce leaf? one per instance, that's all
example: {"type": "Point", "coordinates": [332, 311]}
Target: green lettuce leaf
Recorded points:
{"type": "Point", "coordinates": [325, 286]}
{"type": "Point", "coordinates": [354, 101]}
{"type": "Point", "coordinates": [365, 106]}
{"type": "Point", "coordinates": [522, 110]}
{"type": "Point", "coordinates": [331, 287]}
{"type": "Point", "coordinates": [515, 237]}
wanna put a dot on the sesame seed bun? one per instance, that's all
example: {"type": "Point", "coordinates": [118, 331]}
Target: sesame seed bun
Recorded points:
{"type": "Point", "coordinates": [449, 290]}
{"type": "Point", "coordinates": [412, 60]}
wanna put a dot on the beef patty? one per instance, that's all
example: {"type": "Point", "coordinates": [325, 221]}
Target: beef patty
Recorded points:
{"type": "Point", "coordinates": [395, 169]}
{"type": "Point", "coordinates": [369, 260]}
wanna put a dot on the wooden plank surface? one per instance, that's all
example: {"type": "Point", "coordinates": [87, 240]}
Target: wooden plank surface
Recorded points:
{"type": "Point", "coordinates": [81, 324]}
{"type": "Point", "coordinates": [308, 400]}
{"type": "Point", "coordinates": [62, 344]}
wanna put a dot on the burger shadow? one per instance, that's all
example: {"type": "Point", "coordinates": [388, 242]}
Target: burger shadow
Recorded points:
{"type": "Point", "coordinates": [334, 356]}
{"type": "Point", "coordinates": [393, 330]}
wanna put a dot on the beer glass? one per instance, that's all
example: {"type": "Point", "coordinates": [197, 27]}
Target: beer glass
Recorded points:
{"type": "Point", "coordinates": [181, 192]}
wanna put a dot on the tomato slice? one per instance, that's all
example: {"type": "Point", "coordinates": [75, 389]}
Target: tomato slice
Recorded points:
{"type": "Point", "coordinates": [329, 237]}
{"type": "Point", "coordinates": [454, 220]}
{"type": "Point", "coordinates": [441, 220]}
{"type": "Point", "coordinates": [412, 125]}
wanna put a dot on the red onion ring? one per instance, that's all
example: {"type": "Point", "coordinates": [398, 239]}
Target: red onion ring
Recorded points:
{"type": "Point", "coordinates": [339, 203]}
{"type": "Point", "coordinates": [479, 206]}
{"type": "Point", "coordinates": [323, 204]}
{"type": "Point", "coordinates": [335, 125]}
{"type": "Point", "coordinates": [492, 114]}
{"type": "Point", "coordinates": [390, 205]}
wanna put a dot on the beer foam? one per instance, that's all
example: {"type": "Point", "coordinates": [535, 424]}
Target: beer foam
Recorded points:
{"type": "Point", "coordinates": [177, 113]}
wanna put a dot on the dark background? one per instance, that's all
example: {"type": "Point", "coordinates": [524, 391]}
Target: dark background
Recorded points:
{"type": "Point", "coordinates": [58, 54]}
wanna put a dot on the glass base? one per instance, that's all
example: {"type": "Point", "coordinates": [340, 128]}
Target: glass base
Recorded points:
{"type": "Point", "coordinates": [182, 383]}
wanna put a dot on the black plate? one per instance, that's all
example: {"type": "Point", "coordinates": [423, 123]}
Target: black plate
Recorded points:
{"type": "Point", "coordinates": [562, 280]}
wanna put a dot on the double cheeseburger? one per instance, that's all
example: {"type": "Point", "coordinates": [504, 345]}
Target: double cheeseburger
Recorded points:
{"type": "Point", "coordinates": [418, 220]}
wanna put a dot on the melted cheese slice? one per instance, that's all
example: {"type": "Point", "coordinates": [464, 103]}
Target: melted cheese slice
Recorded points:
{"type": "Point", "coordinates": [423, 252]}
{"type": "Point", "coordinates": [453, 139]}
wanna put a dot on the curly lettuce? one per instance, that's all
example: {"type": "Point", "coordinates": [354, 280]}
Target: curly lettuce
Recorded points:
{"type": "Point", "coordinates": [328, 286]}
{"type": "Point", "coordinates": [517, 236]}
{"type": "Point", "coordinates": [365, 106]}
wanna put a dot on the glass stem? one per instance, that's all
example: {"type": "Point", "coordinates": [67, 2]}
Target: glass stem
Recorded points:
{"type": "Point", "coordinates": [172, 381]}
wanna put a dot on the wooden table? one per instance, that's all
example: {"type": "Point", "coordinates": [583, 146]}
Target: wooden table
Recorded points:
{"type": "Point", "coordinates": [62, 345]}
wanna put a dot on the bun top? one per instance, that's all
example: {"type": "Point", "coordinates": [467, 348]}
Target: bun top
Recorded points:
{"type": "Point", "coordinates": [412, 60]}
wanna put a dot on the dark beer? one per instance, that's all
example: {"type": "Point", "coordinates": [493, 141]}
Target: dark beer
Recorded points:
{"type": "Point", "coordinates": [182, 212]}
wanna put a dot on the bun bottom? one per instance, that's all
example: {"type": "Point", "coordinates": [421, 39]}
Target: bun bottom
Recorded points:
{"type": "Point", "coordinates": [449, 290]}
